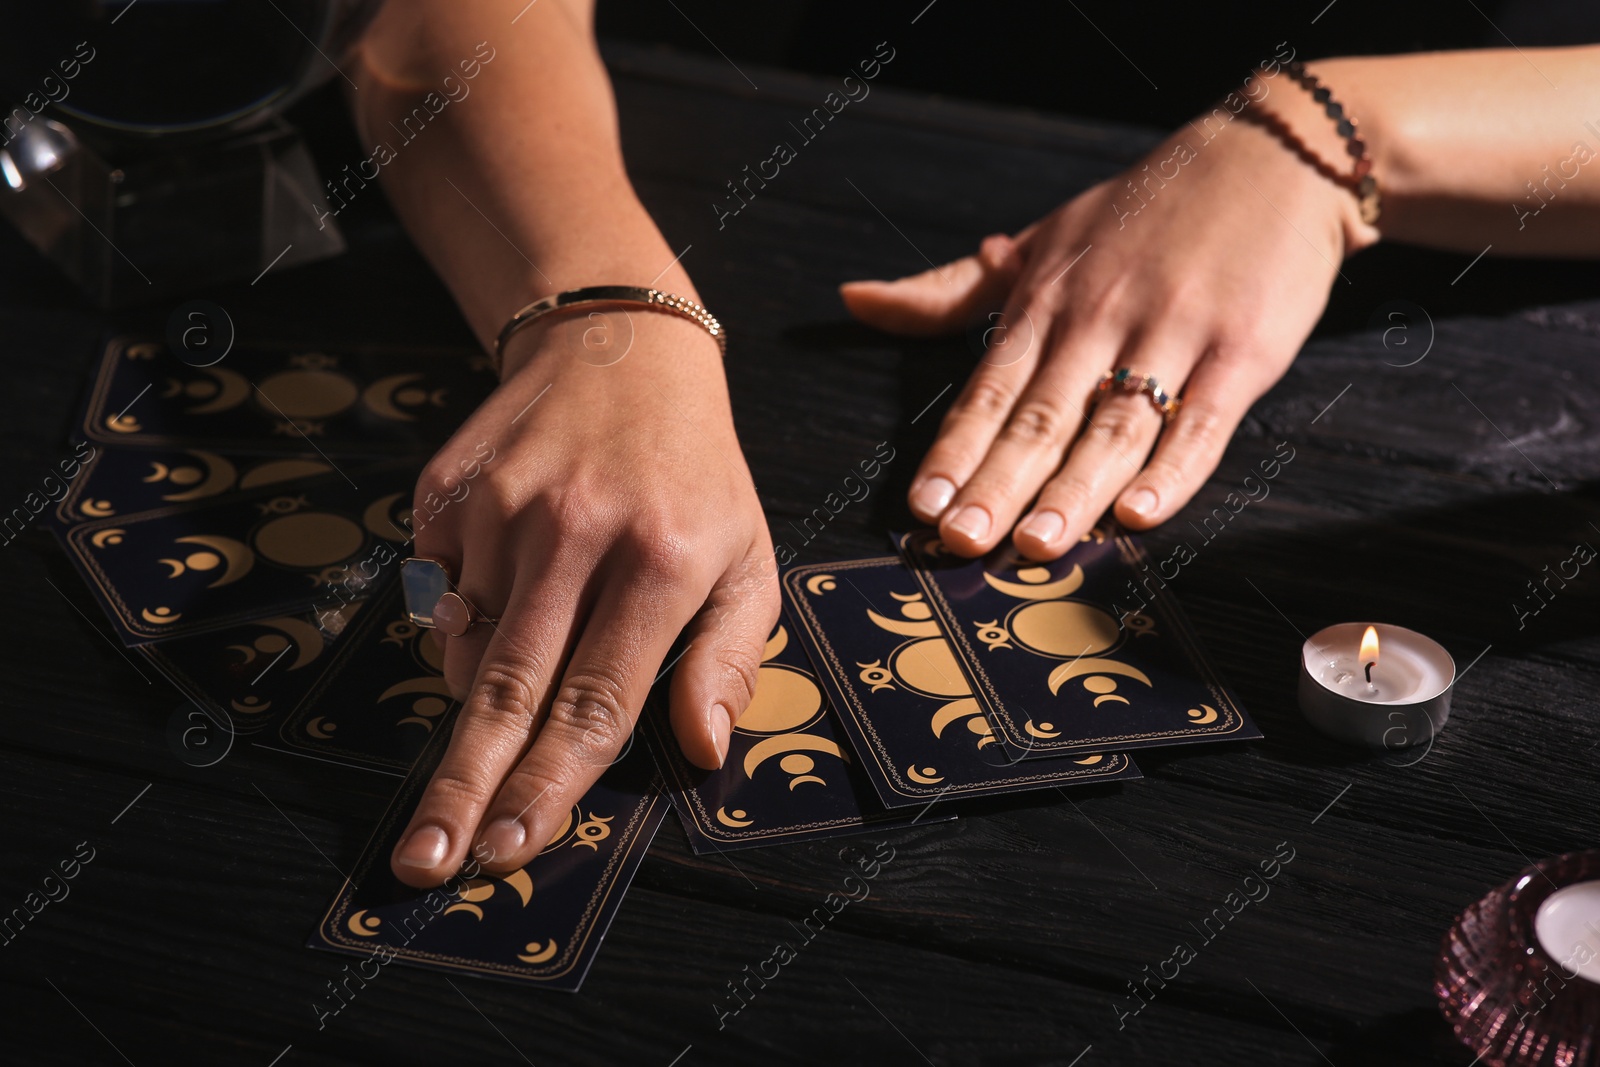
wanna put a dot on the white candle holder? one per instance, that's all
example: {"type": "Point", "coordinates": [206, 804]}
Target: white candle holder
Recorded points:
{"type": "Point", "coordinates": [1406, 702]}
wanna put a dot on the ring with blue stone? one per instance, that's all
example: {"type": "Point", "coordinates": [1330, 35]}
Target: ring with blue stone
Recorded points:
{"type": "Point", "coordinates": [431, 603]}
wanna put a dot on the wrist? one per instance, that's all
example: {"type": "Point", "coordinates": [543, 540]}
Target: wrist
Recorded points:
{"type": "Point", "coordinates": [1303, 128]}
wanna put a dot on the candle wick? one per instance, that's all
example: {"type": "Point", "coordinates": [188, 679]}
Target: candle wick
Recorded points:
{"type": "Point", "coordinates": [1371, 665]}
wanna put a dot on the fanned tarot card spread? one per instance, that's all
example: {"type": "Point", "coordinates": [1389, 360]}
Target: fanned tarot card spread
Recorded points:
{"type": "Point", "coordinates": [1087, 653]}
{"type": "Point", "coordinates": [284, 399]}
{"type": "Point", "coordinates": [905, 703]}
{"type": "Point", "coordinates": [277, 551]}
{"type": "Point", "coordinates": [542, 924]}
{"type": "Point", "coordinates": [789, 775]}
{"type": "Point", "coordinates": [248, 675]}
{"type": "Point", "coordinates": [383, 696]}
{"type": "Point", "coordinates": [125, 481]}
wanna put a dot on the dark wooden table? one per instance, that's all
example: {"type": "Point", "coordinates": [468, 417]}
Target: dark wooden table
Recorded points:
{"type": "Point", "coordinates": [1425, 495]}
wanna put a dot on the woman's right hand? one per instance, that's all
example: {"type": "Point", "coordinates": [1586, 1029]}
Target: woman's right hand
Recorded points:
{"type": "Point", "coordinates": [614, 513]}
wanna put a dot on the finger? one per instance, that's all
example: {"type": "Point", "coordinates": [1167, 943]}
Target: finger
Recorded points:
{"type": "Point", "coordinates": [1215, 400]}
{"type": "Point", "coordinates": [942, 300]}
{"type": "Point", "coordinates": [970, 426]}
{"type": "Point", "coordinates": [504, 706]}
{"type": "Point", "coordinates": [1122, 428]}
{"type": "Point", "coordinates": [715, 677]}
{"type": "Point", "coordinates": [590, 718]}
{"type": "Point", "coordinates": [1029, 446]}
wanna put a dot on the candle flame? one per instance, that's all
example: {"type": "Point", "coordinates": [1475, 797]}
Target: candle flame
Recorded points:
{"type": "Point", "coordinates": [1369, 645]}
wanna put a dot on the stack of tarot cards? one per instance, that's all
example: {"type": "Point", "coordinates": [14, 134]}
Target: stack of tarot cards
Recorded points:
{"type": "Point", "coordinates": [241, 523]}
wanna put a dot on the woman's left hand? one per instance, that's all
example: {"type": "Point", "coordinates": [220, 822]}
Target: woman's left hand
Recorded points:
{"type": "Point", "coordinates": [1210, 283]}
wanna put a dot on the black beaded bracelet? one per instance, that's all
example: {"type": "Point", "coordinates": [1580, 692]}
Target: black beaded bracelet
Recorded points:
{"type": "Point", "coordinates": [1361, 181]}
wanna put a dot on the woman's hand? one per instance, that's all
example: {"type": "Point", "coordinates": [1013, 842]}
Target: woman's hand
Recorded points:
{"type": "Point", "coordinates": [614, 512]}
{"type": "Point", "coordinates": [1207, 272]}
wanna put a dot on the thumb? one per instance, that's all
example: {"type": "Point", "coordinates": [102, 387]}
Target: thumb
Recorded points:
{"type": "Point", "coordinates": [941, 300]}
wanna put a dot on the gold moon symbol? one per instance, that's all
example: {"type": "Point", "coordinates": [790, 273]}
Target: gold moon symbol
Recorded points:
{"type": "Point", "coordinates": [785, 699]}
{"type": "Point", "coordinates": [376, 518]}
{"type": "Point", "coordinates": [818, 584]}
{"type": "Point", "coordinates": [97, 509]}
{"type": "Point", "coordinates": [904, 627]}
{"type": "Point", "coordinates": [560, 834]}
{"type": "Point", "coordinates": [281, 470]}
{"type": "Point", "coordinates": [953, 712]}
{"type": "Point", "coordinates": [251, 705]}
{"type": "Point", "coordinates": [307, 394]}
{"type": "Point", "coordinates": [735, 818]}
{"type": "Point", "coordinates": [1202, 717]}
{"type": "Point", "coordinates": [929, 666]}
{"type": "Point", "coordinates": [1089, 761]}
{"type": "Point", "coordinates": [319, 731]}
{"type": "Point", "coordinates": [379, 396]}
{"type": "Point", "coordinates": [161, 616]}
{"type": "Point", "coordinates": [1064, 628]}
{"type": "Point", "coordinates": [768, 747]}
{"type": "Point", "coordinates": [539, 955]}
{"type": "Point", "coordinates": [519, 881]}
{"type": "Point", "coordinates": [1111, 696]}
{"type": "Point", "coordinates": [471, 909]}
{"type": "Point", "coordinates": [158, 471]}
{"type": "Point", "coordinates": [231, 392]}
{"type": "Point", "coordinates": [779, 642]}
{"type": "Point", "coordinates": [362, 925]}
{"type": "Point", "coordinates": [123, 423]}
{"type": "Point", "coordinates": [112, 536]}
{"type": "Point", "coordinates": [435, 686]}
{"type": "Point", "coordinates": [307, 639]}
{"type": "Point", "coordinates": [219, 476]}
{"type": "Point", "coordinates": [240, 558]}
{"type": "Point", "coordinates": [1042, 730]}
{"type": "Point", "coordinates": [1067, 671]}
{"type": "Point", "coordinates": [309, 539]}
{"type": "Point", "coordinates": [927, 776]}
{"type": "Point", "coordinates": [1050, 591]}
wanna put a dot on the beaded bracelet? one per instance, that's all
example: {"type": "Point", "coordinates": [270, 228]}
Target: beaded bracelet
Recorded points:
{"type": "Point", "coordinates": [1361, 181]}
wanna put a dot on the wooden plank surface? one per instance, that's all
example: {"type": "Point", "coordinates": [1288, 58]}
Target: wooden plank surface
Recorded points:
{"type": "Point", "coordinates": [1425, 495]}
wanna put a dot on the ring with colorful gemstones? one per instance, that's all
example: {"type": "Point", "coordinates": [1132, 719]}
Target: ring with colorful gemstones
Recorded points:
{"type": "Point", "coordinates": [1131, 381]}
{"type": "Point", "coordinates": [432, 604]}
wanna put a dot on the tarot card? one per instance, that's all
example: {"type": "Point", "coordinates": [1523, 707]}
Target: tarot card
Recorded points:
{"type": "Point", "coordinates": [281, 550]}
{"type": "Point", "coordinates": [789, 775]}
{"type": "Point", "coordinates": [251, 674]}
{"type": "Point", "coordinates": [382, 698]}
{"type": "Point", "coordinates": [125, 481]}
{"type": "Point", "coordinates": [903, 699]}
{"type": "Point", "coordinates": [542, 924]}
{"type": "Point", "coordinates": [1088, 653]}
{"type": "Point", "coordinates": [284, 399]}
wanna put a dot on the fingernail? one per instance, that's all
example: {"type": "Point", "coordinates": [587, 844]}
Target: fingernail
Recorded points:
{"type": "Point", "coordinates": [1142, 502]}
{"type": "Point", "coordinates": [445, 612]}
{"type": "Point", "coordinates": [971, 522]}
{"type": "Point", "coordinates": [1043, 526]}
{"type": "Point", "coordinates": [721, 731]}
{"type": "Point", "coordinates": [504, 837]}
{"type": "Point", "coordinates": [933, 495]}
{"type": "Point", "coordinates": [425, 847]}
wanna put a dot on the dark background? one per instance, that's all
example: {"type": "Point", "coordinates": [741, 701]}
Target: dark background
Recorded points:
{"type": "Point", "coordinates": [1056, 57]}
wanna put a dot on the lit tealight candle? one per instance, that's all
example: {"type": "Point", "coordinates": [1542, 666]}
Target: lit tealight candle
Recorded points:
{"type": "Point", "coordinates": [1377, 685]}
{"type": "Point", "coordinates": [1568, 928]}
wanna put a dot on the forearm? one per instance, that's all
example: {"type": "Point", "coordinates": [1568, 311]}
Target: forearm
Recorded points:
{"type": "Point", "coordinates": [1470, 148]}
{"type": "Point", "coordinates": [516, 187]}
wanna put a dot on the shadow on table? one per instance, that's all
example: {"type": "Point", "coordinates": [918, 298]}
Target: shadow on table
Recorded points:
{"type": "Point", "coordinates": [1419, 1036]}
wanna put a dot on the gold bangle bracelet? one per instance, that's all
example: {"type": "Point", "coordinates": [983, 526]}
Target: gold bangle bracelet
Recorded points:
{"type": "Point", "coordinates": [589, 296]}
